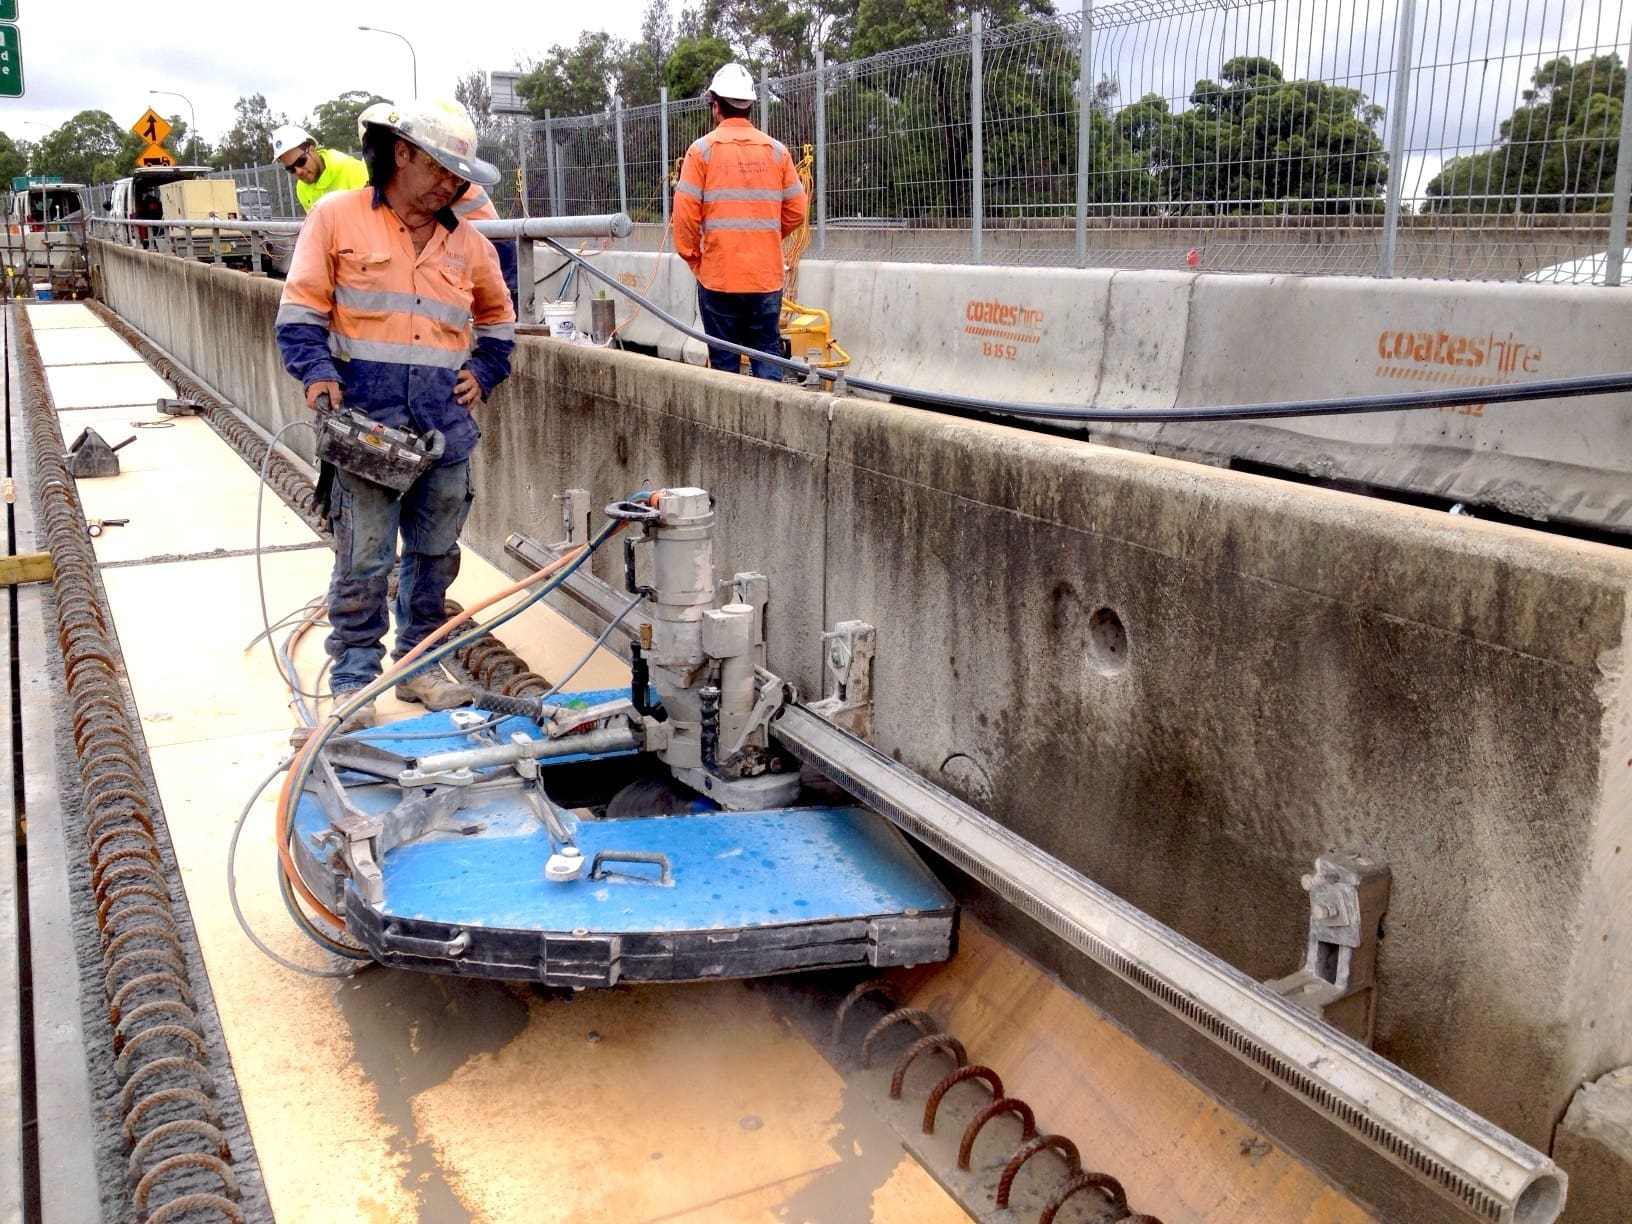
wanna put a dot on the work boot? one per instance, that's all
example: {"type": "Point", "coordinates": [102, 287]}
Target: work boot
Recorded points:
{"type": "Point", "coordinates": [433, 689]}
{"type": "Point", "coordinates": [361, 719]}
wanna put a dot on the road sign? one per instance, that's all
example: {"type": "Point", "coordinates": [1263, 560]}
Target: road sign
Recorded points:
{"type": "Point", "coordinates": [11, 60]}
{"type": "Point", "coordinates": [155, 155]}
{"type": "Point", "coordinates": [151, 127]}
{"type": "Point", "coordinates": [8, 10]}
{"type": "Point", "coordinates": [502, 96]}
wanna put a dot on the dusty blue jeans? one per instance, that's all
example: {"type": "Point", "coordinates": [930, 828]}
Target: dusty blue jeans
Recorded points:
{"type": "Point", "coordinates": [367, 520]}
{"type": "Point", "coordinates": [752, 320]}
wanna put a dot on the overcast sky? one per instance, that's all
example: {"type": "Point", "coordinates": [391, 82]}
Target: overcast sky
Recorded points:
{"type": "Point", "coordinates": [98, 55]}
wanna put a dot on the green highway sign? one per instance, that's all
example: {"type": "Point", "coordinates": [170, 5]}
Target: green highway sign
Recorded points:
{"type": "Point", "coordinates": [11, 59]}
{"type": "Point", "coordinates": [8, 10]}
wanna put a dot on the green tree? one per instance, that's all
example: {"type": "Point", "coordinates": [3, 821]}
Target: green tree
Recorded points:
{"type": "Point", "coordinates": [641, 74]}
{"type": "Point", "coordinates": [579, 80]}
{"type": "Point", "coordinates": [334, 123]}
{"type": "Point", "coordinates": [693, 62]}
{"type": "Point", "coordinates": [1556, 153]}
{"type": "Point", "coordinates": [92, 147]}
{"type": "Point", "coordinates": [473, 92]}
{"type": "Point", "coordinates": [249, 143]}
{"type": "Point", "coordinates": [884, 25]}
{"type": "Point", "coordinates": [13, 159]}
{"type": "Point", "coordinates": [1254, 142]}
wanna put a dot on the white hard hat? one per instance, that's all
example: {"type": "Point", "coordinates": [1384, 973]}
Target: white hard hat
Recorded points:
{"type": "Point", "coordinates": [442, 129]}
{"type": "Point", "coordinates": [734, 83]}
{"type": "Point", "coordinates": [288, 138]}
{"type": "Point", "coordinates": [375, 112]}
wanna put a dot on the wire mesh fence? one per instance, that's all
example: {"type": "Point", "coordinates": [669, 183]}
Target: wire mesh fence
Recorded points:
{"type": "Point", "coordinates": [1459, 138]}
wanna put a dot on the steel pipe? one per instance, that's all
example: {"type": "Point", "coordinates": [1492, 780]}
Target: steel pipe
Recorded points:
{"type": "Point", "coordinates": [607, 739]}
{"type": "Point", "coordinates": [598, 225]}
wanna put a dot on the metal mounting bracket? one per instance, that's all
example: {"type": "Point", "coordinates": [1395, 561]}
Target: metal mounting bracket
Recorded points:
{"type": "Point", "coordinates": [1348, 896]}
{"type": "Point", "coordinates": [848, 661]}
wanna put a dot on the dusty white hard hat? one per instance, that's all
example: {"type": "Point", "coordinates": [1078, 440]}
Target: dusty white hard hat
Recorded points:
{"type": "Point", "coordinates": [288, 138]}
{"type": "Point", "coordinates": [734, 83]}
{"type": "Point", "coordinates": [442, 129]}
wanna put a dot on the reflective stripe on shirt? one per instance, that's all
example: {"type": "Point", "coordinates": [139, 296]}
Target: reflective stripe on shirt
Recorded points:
{"type": "Point", "coordinates": [713, 224]}
{"type": "Point", "coordinates": [301, 314]}
{"type": "Point", "coordinates": [348, 347]}
{"type": "Point", "coordinates": [402, 303]}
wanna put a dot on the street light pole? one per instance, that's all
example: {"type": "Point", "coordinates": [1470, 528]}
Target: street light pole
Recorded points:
{"type": "Point", "coordinates": [413, 59]}
{"type": "Point", "coordinates": [192, 118]}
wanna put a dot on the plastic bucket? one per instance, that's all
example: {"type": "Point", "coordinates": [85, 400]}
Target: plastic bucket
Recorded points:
{"type": "Point", "coordinates": [42, 291]}
{"type": "Point", "coordinates": [558, 317]}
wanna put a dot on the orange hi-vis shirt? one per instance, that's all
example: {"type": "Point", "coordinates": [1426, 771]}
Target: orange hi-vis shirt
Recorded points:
{"type": "Point", "coordinates": [739, 195]}
{"type": "Point", "coordinates": [394, 326]}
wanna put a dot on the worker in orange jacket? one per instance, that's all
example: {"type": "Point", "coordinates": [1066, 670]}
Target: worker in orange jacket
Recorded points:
{"type": "Point", "coordinates": [397, 308]}
{"type": "Point", "coordinates": [739, 195]}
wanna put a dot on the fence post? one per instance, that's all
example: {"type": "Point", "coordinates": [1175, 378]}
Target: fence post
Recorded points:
{"type": "Point", "coordinates": [1615, 254]}
{"type": "Point", "coordinates": [764, 99]}
{"type": "Point", "coordinates": [551, 161]}
{"type": "Point", "coordinates": [663, 153]}
{"type": "Point", "coordinates": [1399, 114]}
{"type": "Point", "coordinates": [1085, 116]}
{"type": "Point", "coordinates": [623, 186]}
{"type": "Point", "coordinates": [821, 154]}
{"type": "Point", "coordinates": [977, 156]}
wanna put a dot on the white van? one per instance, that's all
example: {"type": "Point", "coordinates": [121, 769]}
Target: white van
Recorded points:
{"type": "Point", "coordinates": [120, 201]}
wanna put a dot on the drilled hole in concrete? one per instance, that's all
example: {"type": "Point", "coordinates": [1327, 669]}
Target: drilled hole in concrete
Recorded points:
{"type": "Point", "coordinates": [1107, 641]}
{"type": "Point", "coordinates": [967, 777]}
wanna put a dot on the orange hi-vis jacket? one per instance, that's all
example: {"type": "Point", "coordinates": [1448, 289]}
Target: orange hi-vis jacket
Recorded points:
{"type": "Point", "coordinates": [477, 205]}
{"type": "Point", "coordinates": [393, 327]}
{"type": "Point", "coordinates": [738, 196]}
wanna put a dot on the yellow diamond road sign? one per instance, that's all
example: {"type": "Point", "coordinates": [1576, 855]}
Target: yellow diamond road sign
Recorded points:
{"type": "Point", "coordinates": [151, 127]}
{"type": "Point", "coordinates": [155, 155]}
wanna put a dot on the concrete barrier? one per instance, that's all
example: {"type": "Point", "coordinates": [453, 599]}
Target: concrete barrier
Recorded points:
{"type": "Point", "coordinates": [1185, 682]}
{"type": "Point", "coordinates": [1151, 339]}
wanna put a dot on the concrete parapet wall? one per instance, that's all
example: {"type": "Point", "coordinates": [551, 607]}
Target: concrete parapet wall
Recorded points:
{"type": "Point", "coordinates": [214, 320]}
{"type": "Point", "coordinates": [1184, 681]}
{"type": "Point", "coordinates": [1152, 339]}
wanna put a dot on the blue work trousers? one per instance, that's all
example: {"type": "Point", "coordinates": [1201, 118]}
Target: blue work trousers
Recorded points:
{"type": "Point", "coordinates": [367, 519]}
{"type": "Point", "coordinates": [753, 320]}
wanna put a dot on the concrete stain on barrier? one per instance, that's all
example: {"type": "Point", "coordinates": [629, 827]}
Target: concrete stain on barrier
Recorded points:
{"type": "Point", "coordinates": [411, 1032]}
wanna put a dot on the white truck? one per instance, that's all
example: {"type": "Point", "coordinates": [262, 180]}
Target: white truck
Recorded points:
{"type": "Point", "coordinates": [180, 193]}
{"type": "Point", "coordinates": [45, 238]}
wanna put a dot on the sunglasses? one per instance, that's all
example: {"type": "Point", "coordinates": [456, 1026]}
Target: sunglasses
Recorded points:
{"type": "Point", "coordinates": [296, 164]}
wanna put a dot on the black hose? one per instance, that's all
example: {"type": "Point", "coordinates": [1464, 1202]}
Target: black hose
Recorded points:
{"type": "Point", "coordinates": [1353, 405]}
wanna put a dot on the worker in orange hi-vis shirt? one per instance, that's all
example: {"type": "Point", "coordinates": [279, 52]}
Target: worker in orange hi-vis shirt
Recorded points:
{"type": "Point", "coordinates": [739, 195]}
{"type": "Point", "coordinates": [395, 307]}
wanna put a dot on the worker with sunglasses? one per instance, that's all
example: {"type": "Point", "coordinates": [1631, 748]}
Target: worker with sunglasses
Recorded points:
{"type": "Point", "coordinates": [317, 171]}
{"type": "Point", "coordinates": [396, 308]}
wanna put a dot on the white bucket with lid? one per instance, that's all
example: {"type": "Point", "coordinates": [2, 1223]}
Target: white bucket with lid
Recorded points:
{"type": "Point", "coordinates": [559, 318]}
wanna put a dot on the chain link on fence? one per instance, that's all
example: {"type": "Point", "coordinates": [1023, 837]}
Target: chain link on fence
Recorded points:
{"type": "Point", "coordinates": [1451, 138]}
